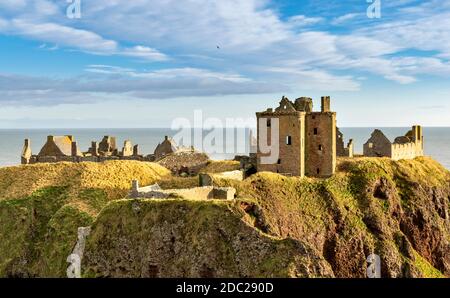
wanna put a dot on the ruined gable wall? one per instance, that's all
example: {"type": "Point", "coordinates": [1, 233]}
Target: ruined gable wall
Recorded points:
{"type": "Point", "coordinates": [50, 149]}
{"type": "Point", "coordinates": [378, 146]}
{"type": "Point", "coordinates": [163, 149]}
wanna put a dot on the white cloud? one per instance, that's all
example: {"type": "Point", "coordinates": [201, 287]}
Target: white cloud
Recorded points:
{"type": "Point", "coordinates": [301, 20]}
{"type": "Point", "coordinates": [199, 25]}
{"type": "Point", "coordinates": [253, 40]}
{"type": "Point", "coordinates": [13, 4]}
{"type": "Point", "coordinates": [144, 53]}
{"type": "Point", "coordinates": [119, 82]}
{"type": "Point", "coordinates": [428, 32]}
{"type": "Point", "coordinates": [309, 79]}
{"type": "Point", "coordinates": [78, 39]}
{"type": "Point", "coordinates": [67, 36]}
{"type": "Point", "coordinates": [345, 18]}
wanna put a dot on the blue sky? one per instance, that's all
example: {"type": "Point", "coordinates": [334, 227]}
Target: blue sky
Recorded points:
{"type": "Point", "coordinates": [143, 63]}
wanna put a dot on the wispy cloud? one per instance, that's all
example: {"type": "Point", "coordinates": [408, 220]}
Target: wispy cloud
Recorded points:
{"type": "Point", "coordinates": [345, 18]}
{"type": "Point", "coordinates": [128, 83]}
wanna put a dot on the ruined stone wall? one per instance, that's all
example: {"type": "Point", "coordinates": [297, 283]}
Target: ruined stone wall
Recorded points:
{"type": "Point", "coordinates": [291, 159]}
{"type": "Point", "coordinates": [341, 149]}
{"type": "Point", "coordinates": [320, 144]}
{"type": "Point", "coordinates": [165, 148]}
{"type": "Point", "coordinates": [406, 151]}
{"type": "Point", "coordinates": [196, 193]}
{"type": "Point", "coordinates": [207, 179]}
{"type": "Point", "coordinates": [378, 145]}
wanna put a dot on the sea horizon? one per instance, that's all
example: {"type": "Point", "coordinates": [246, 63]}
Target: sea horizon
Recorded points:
{"type": "Point", "coordinates": [12, 139]}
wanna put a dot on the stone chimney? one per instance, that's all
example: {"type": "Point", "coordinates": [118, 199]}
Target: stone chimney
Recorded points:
{"type": "Point", "coordinates": [26, 152]}
{"type": "Point", "coordinates": [417, 133]}
{"type": "Point", "coordinates": [74, 149]}
{"type": "Point", "coordinates": [94, 149]}
{"type": "Point", "coordinates": [136, 150]}
{"type": "Point", "coordinates": [326, 104]}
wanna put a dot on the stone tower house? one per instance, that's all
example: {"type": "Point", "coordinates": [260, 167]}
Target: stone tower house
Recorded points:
{"type": "Point", "coordinates": [306, 139]}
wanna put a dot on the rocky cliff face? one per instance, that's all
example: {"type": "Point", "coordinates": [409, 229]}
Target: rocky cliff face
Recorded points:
{"type": "Point", "coordinates": [152, 238]}
{"type": "Point", "coordinates": [398, 210]}
{"type": "Point", "coordinates": [277, 227]}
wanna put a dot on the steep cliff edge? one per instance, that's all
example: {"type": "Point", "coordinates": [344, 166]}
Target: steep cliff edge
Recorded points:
{"type": "Point", "coordinates": [396, 209]}
{"type": "Point", "coordinates": [278, 226]}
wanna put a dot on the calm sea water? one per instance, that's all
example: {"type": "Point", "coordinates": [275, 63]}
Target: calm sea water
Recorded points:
{"type": "Point", "coordinates": [437, 140]}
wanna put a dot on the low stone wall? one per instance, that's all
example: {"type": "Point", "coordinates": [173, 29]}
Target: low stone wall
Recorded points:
{"type": "Point", "coordinates": [207, 179]}
{"type": "Point", "coordinates": [196, 193]}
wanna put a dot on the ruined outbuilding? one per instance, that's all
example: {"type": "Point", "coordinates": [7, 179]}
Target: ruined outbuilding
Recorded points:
{"type": "Point", "coordinates": [409, 146]}
{"type": "Point", "coordinates": [168, 146]}
{"type": "Point", "coordinates": [65, 148]}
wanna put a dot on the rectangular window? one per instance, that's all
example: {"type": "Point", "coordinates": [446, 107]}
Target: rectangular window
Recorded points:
{"type": "Point", "coordinates": [288, 140]}
{"type": "Point", "coordinates": [279, 161]}
{"type": "Point", "coordinates": [316, 131]}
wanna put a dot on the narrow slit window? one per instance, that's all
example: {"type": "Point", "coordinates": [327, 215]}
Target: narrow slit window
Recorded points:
{"type": "Point", "coordinates": [288, 140]}
{"type": "Point", "coordinates": [316, 131]}
{"type": "Point", "coordinates": [320, 148]}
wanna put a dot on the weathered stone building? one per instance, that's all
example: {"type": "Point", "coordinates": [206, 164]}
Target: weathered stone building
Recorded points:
{"type": "Point", "coordinates": [168, 146]}
{"type": "Point", "coordinates": [408, 146]}
{"type": "Point", "coordinates": [306, 139]}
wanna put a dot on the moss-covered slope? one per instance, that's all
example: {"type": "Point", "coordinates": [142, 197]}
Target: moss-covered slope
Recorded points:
{"type": "Point", "coordinates": [179, 238]}
{"type": "Point", "coordinates": [42, 206]}
{"type": "Point", "coordinates": [399, 210]}
{"type": "Point", "coordinates": [279, 226]}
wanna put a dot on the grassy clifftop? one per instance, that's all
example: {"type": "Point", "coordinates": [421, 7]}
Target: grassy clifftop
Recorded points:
{"type": "Point", "coordinates": [42, 206]}
{"type": "Point", "coordinates": [278, 226]}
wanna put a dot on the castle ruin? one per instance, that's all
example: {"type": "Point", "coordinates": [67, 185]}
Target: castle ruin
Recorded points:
{"type": "Point", "coordinates": [307, 139]}
{"type": "Point", "coordinates": [65, 148]}
{"type": "Point", "coordinates": [409, 146]}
